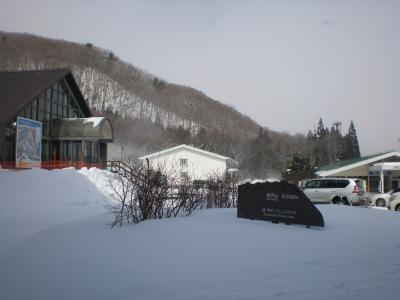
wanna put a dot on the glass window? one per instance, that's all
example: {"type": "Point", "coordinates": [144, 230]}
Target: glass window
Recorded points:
{"type": "Point", "coordinates": [63, 87]}
{"type": "Point", "coordinates": [48, 94]}
{"type": "Point", "coordinates": [34, 109]}
{"type": "Point", "coordinates": [41, 102]}
{"type": "Point", "coordinates": [183, 162]}
{"type": "Point", "coordinates": [65, 112]}
{"type": "Point", "coordinates": [35, 104]}
{"type": "Point", "coordinates": [56, 150]}
{"type": "Point", "coordinates": [74, 154]}
{"type": "Point", "coordinates": [41, 116]}
{"type": "Point", "coordinates": [73, 102]}
{"type": "Point", "coordinates": [79, 151]}
{"type": "Point", "coordinates": [97, 152]}
{"type": "Point", "coordinates": [342, 183]}
{"type": "Point", "coordinates": [69, 151]}
{"type": "Point", "coordinates": [34, 114]}
{"type": "Point", "coordinates": [45, 150]}
{"type": "Point", "coordinates": [65, 100]}
{"type": "Point", "coordinates": [86, 150]}
{"type": "Point", "coordinates": [64, 150]}
{"type": "Point", "coordinates": [54, 110]}
{"type": "Point", "coordinates": [47, 105]}
{"type": "Point", "coordinates": [28, 112]}
{"type": "Point", "coordinates": [313, 184]}
{"type": "Point", "coordinates": [54, 95]}
{"type": "Point", "coordinates": [60, 98]}
{"type": "Point", "coordinates": [93, 152]}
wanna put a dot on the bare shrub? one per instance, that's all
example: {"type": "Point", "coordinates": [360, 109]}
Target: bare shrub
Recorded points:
{"type": "Point", "coordinates": [141, 192]}
{"type": "Point", "coordinates": [222, 191]}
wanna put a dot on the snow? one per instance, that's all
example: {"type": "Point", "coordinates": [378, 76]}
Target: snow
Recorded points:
{"type": "Point", "coordinates": [95, 120]}
{"type": "Point", "coordinates": [37, 199]}
{"type": "Point", "coordinates": [56, 243]}
{"type": "Point", "coordinates": [258, 180]}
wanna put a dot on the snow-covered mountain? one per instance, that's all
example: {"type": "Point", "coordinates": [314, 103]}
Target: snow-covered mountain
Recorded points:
{"type": "Point", "coordinates": [110, 84]}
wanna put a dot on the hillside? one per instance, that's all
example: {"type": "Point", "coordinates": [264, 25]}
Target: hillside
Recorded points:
{"type": "Point", "coordinates": [108, 83]}
{"type": "Point", "coordinates": [149, 113]}
{"type": "Point", "coordinates": [62, 247]}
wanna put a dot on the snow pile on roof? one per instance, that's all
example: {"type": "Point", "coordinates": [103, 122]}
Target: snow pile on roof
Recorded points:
{"type": "Point", "coordinates": [95, 120]}
{"type": "Point", "coordinates": [209, 255]}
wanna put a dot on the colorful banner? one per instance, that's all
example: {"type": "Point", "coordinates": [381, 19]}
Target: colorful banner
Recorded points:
{"type": "Point", "coordinates": [28, 147]}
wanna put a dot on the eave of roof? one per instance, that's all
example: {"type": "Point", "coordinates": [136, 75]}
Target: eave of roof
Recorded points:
{"type": "Point", "coordinates": [348, 164]}
{"type": "Point", "coordinates": [18, 88]}
{"type": "Point", "coordinates": [184, 146]}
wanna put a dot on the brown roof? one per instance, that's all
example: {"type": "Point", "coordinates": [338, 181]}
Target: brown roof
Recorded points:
{"type": "Point", "coordinates": [20, 87]}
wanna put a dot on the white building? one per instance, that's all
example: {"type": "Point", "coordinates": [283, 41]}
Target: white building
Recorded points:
{"type": "Point", "coordinates": [189, 162]}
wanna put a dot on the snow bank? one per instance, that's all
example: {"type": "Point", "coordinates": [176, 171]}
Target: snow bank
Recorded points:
{"type": "Point", "coordinates": [100, 179]}
{"type": "Point", "coordinates": [209, 255]}
{"type": "Point", "coordinates": [36, 199]}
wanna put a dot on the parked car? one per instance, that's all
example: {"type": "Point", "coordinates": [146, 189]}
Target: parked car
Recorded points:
{"type": "Point", "coordinates": [394, 202]}
{"type": "Point", "coordinates": [380, 199]}
{"type": "Point", "coordinates": [335, 190]}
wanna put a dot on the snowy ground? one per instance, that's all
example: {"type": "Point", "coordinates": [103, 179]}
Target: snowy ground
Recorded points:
{"type": "Point", "coordinates": [56, 243]}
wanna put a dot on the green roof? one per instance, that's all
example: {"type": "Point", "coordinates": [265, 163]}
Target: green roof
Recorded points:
{"type": "Point", "coordinates": [347, 162]}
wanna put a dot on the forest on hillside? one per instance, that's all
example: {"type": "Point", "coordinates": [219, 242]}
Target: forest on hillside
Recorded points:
{"type": "Point", "coordinates": [150, 114]}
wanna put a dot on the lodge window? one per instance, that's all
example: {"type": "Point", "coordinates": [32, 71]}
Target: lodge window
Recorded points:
{"type": "Point", "coordinates": [70, 150]}
{"type": "Point", "coordinates": [34, 109]}
{"type": "Point", "coordinates": [28, 113]}
{"type": "Point", "coordinates": [184, 175]}
{"type": "Point", "coordinates": [183, 162]}
{"type": "Point", "coordinates": [91, 152]}
{"type": "Point", "coordinates": [45, 150]}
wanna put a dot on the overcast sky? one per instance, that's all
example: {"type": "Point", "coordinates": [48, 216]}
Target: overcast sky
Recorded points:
{"type": "Point", "coordinates": [283, 63]}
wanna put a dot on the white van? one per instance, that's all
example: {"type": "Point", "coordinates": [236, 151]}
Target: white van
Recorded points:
{"type": "Point", "coordinates": [348, 191]}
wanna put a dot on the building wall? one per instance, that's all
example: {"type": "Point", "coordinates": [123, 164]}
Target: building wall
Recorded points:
{"type": "Point", "coordinates": [199, 166]}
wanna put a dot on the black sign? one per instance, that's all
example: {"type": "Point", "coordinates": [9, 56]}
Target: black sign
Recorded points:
{"type": "Point", "coordinates": [277, 202]}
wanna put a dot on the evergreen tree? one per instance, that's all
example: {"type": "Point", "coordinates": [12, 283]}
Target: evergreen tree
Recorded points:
{"type": "Point", "coordinates": [347, 147]}
{"type": "Point", "coordinates": [320, 129]}
{"type": "Point", "coordinates": [322, 144]}
{"type": "Point", "coordinates": [298, 168]}
{"type": "Point", "coordinates": [354, 140]}
{"type": "Point", "coordinates": [351, 148]}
